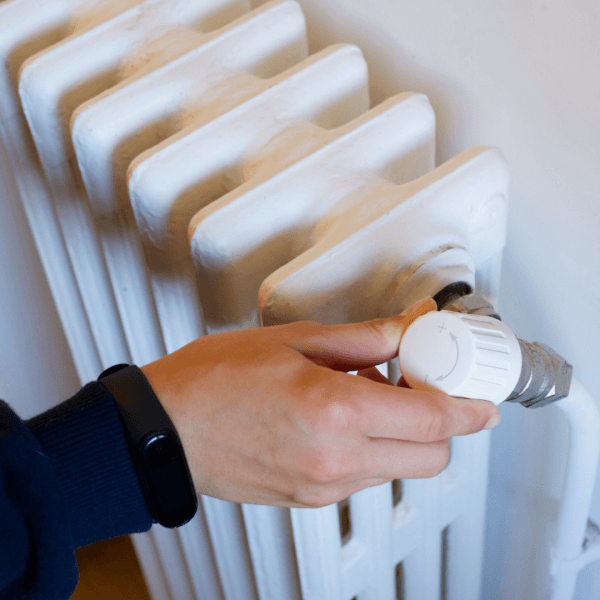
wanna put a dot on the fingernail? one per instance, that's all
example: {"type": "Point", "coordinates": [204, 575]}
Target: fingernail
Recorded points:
{"type": "Point", "coordinates": [494, 420]}
{"type": "Point", "coordinates": [415, 306]}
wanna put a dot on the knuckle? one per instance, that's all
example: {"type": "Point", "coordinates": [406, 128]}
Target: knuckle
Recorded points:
{"type": "Point", "coordinates": [375, 328]}
{"type": "Point", "coordinates": [434, 424]}
{"type": "Point", "coordinates": [314, 497]}
{"type": "Point", "coordinates": [307, 327]}
{"type": "Point", "coordinates": [472, 419]}
{"type": "Point", "coordinates": [478, 420]}
{"type": "Point", "coordinates": [325, 469]}
{"type": "Point", "coordinates": [334, 416]}
{"type": "Point", "coordinates": [324, 410]}
{"type": "Point", "coordinates": [322, 498]}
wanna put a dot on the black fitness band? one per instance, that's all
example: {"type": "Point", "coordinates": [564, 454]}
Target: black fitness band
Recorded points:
{"type": "Point", "coordinates": [155, 446]}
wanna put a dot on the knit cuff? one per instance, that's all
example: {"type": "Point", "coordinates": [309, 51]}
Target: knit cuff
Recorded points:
{"type": "Point", "coordinates": [85, 441]}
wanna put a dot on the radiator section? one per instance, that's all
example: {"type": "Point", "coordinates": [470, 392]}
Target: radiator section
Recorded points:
{"type": "Point", "coordinates": [188, 168]}
{"type": "Point", "coordinates": [110, 131]}
{"type": "Point", "coordinates": [229, 152]}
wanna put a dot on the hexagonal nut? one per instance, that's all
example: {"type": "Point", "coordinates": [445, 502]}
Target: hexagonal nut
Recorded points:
{"type": "Point", "coordinates": [563, 373]}
{"type": "Point", "coordinates": [473, 304]}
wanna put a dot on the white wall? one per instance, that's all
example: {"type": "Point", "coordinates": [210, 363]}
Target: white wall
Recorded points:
{"type": "Point", "coordinates": [523, 76]}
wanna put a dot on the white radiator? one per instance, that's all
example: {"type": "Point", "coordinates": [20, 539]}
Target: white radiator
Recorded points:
{"type": "Point", "coordinates": [187, 168]}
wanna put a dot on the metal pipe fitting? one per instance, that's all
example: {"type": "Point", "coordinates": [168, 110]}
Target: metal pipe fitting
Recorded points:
{"type": "Point", "coordinates": [545, 376]}
{"type": "Point", "coordinates": [471, 304]}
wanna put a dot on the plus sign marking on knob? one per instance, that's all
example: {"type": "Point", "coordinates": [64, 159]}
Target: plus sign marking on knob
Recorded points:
{"type": "Point", "coordinates": [469, 356]}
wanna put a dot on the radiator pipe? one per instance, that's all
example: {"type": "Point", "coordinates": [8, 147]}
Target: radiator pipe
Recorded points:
{"type": "Point", "coordinates": [572, 549]}
{"type": "Point", "coordinates": [583, 415]}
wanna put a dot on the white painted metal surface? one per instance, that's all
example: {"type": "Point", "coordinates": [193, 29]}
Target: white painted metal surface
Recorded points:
{"type": "Point", "coordinates": [281, 217]}
{"type": "Point", "coordinates": [53, 83]}
{"type": "Point", "coordinates": [24, 32]}
{"type": "Point", "coordinates": [142, 119]}
{"type": "Point", "coordinates": [169, 183]}
{"type": "Point", "coordinates": [385, 238]}
{"type": "Point", "coordinates": [112, 130]}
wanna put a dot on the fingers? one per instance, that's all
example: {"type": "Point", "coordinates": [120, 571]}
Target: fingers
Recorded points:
{"type": "Point", "coordinates": [330, 494]}
{"type": "Point", "coordinates": [402, 383]}
{"type": "Point", "coordinates": [356, 345]}
{"type": "Point", "coordinates": [395, 459]}
{"type": "Point", "coordinates": [385, 411]}
{"type": "Point", "coordinates": [380, 461]}
{"type": "Point", "coordinates": [374, 374]}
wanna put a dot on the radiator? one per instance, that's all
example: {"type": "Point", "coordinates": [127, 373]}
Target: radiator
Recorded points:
{"type": "Point", "coordinates": [186, 167]}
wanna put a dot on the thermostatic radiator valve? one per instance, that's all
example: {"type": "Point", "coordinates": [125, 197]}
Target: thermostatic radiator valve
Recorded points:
{"type": "Point", "coordinates": [465, 350]}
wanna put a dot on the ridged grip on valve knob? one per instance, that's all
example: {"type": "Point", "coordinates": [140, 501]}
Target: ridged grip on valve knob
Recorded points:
{"type": "Point", "coordinates": [469, 356]}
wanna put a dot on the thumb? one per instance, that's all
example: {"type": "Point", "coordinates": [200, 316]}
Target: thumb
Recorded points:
{"type": "Point", "coordinates": [356, 345]}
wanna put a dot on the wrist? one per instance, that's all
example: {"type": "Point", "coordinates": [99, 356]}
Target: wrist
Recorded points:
{"type": "Point", "coordinates": [168, 387]}
{"type": "Point", "coordinates": [154, 445]}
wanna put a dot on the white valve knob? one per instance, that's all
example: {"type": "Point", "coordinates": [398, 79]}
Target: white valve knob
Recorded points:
{"type": "Point", "coordinates": [469, 356]}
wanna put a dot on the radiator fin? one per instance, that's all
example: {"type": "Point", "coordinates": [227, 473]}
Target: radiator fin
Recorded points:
{"type": "Point", "coordinates": [186, 167]}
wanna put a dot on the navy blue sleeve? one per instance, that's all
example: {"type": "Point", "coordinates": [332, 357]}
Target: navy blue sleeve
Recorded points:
{"type": "Point", "coordinates": [66, 480]}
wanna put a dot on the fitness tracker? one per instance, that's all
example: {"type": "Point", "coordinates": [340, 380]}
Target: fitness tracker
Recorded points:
{"type": "Point", "coordinates": [154, 445]}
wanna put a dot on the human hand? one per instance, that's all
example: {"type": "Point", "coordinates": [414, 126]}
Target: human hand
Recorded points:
{"type": "Point", "coordinates": [271, 416]}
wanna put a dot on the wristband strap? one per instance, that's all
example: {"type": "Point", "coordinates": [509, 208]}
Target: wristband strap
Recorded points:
{"type": "Point", "coordinates": [154, 445]}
